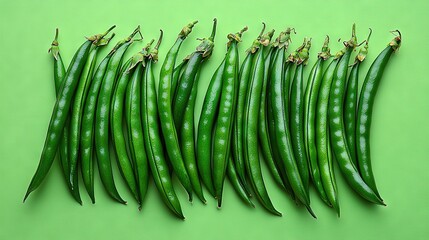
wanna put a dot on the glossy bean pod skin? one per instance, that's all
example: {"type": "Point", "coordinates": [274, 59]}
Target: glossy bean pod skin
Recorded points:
{"type": "Point", "coordinates": [177, 72]}
{"type": "Point", "coordinates": [206, 125]}
{"type": "Point", "coordinates": [337, 131]}
{"type": "Point", "coordinates": [166, 112]}
{"type": "Point", "coordinates": [188, 78]}
{"type": "Point", "coordinates": [237, 136]}
{"type": "Point", "coordinates": [102, 118]}
{"type": "Point", "coordinates": [153, 144]}
{"type": "Point", "coordinates": [77, 111]}
{"type": "Point", "coordinates": [225, 119]}
{"type": "Point", "coordinates": [350, 106]}
{"type": "Point", "coordinates": [125, 163]}
{"type": "Point", "coordinates": [184, 88]}
{"type": "Point", "coordinates": [351, 101]}
{"type": "Point", "coordinates": [187, 142]}
{"type": "Point", "coordinates": [283, 40]}
{"type": "Point", "coordinates": [61, 112]}
{"type": "Point", "coordinates": [310, 102]}
{"type": "Point", "coordinates": [279, 70]}
{"type": "Point", "coordinates": [59, 73]}
{"type": "Point", "coordinates": [87, 130]}
{"type": "Point", "coordinates": [270, 128]}
{"type": "Point", "coordinates": [236, 183]}
{"type": "Point", "coordinates": [133, 104]}
{"type": "Point", "coordinates": [365, 108]}
{"type": "Point", "coordinates": [263, 136]}
{"type": "Point", "coordinates": [250, 130]}
{"type": "Point", "coordinates": [324, 156]}
{"type": "Point", "coordinates": [297, 126]}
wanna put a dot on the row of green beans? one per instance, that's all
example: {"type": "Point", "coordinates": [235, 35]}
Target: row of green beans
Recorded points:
{"type": "Point", "coordinates": [263, 107]}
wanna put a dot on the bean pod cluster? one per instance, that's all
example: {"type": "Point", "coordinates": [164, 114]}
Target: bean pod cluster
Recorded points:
{"type": "Point", "coordinates": [262, 109]}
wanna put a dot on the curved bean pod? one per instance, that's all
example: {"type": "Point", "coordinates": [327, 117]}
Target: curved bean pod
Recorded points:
{"type": "Point", "coordinates": [225, 118]}
{"type": "Point", "coordinates": [250, 133]}
{"type": "Point", "coordinates": [323, 146]}
{"type": "Point", "coordinates": [310, 102]}
{"type": "Point", "coordinates": [153, 145]}
{"type": "Point", "coordinates": [61, 111]}
{"type": "Point", "coordinates": [337, 131]}
{"type": "Point", "coordinates": [364, 114]}
{"type": "Point", "coordinates": [206, 125]}
{"type": "Point", "coordinates": [165, 111]}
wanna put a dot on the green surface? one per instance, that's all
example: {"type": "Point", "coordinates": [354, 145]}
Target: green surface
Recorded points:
{"type": "Point", "coordinates": [399, 133]}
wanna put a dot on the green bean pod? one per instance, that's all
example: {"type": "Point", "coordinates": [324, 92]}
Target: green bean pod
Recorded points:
{"type": "Point", "coordinates": [165, 111]}
{"type": "Point", "coordinates": [283, 39]}
{"type": "Point", "coordinates": [364, 114]}
{"type": "Point", "coordinates": [177, 72]}
{"type": "Point", "coordinates": [125, 160]}
{"type": "Point", "coordinates": [337, 131]}
{"type": "Point", "coordinates": [153, 144]}
{"type": "Point", "coordinates": [280, 108]}
{"type": "Point", "coordinates": [310, 102]}
{"type": "Point", "coordinates": [77, 110]}
{"type": "Point", "coordinates": [225, 118]}
{"type": "Point", "coordinates": [237, 136]}
{"type": "Point", "coordinates": [206, 125]}
{"type": "Point", "coordinates": [134, 120]}
{"type": "Point", "coordinates": [297, 107]}
{"type": "Point", "coordinates": [350, 101]}
{"type": "Point", "coordinates": [323, 146]}
{"type": "Point", "coordinates": [59, 73]}
{"type": "Point", "coordinates": [102, 115]}
{"type": "Point", "coordinates": [250, 132]}
{"type": "Point", "coordinates": [188, 78]}
{"type": "Point", "coordinates": [350, 106]}
{"type": "Point", "coordinates": [87, 129]}
{"type": "Point", "coordinates": [264, 140]}
{"type": "Point", "coordinates": [61, 111]}
{"type": "Point", "coordinates": [184, 88]}
{"type": "Point", "coordinates": [236, 183]}
{"type": "Point", "coordinates": [187, 141]}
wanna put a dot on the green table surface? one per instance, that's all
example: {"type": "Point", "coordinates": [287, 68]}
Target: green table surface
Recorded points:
{"type": "Point", "coordinates": [399, 136]}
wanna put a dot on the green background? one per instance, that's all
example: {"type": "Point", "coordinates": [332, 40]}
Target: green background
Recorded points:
{"type": "Point", "coordinates": [399, 133]}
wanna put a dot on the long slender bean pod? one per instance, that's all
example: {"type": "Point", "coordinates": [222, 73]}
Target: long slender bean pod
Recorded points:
{"type": "Point", "coordinates": [283, 39]}
{"type": "Point", "coordinates": [243, 82]}
{"type": "Point", "coordinates": [297, 107]}
{"type": "Point", "coordinates": [59, 73]}
{"type": "Point", "coordinates": [87, 130]}
{"type": "Point", "coordinates": [135, 121]}
{"type": "Point", "coordinates": [206, 125]}
{"type": "Point", "coordinates": [264, 140]}
{"type": "Point", "coordinates": [250, 129]}
{"type": "Point", "coordinates": [61, 111]}
{"type": "Point", "coordinates": [280, 109]}
{"type": "Point", "coordinates": [77, 110]}
{"type": "Point", "coordinates": [165, 111]}
{"type": "Point", "coordinates": [337, 130]}
{"type": "Point", "coordinates": [126, 164]}
{"type": "Point", "coordinates": [187, 142]}
{"type": "Point", "coordinates": [310, 102]}
{"type": "Point", "coordinates": [225, 119]}
{"type": "Point", "coordinates": [365, 108]}
{"type": "Point", "coordinates": [153, 145]}
{"type": "Point", "coordinates": [102, 115]}
{"type": "Point", "coordinates": [324, 156]}
{"type": "Point", "coordinates": [350, 102]}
